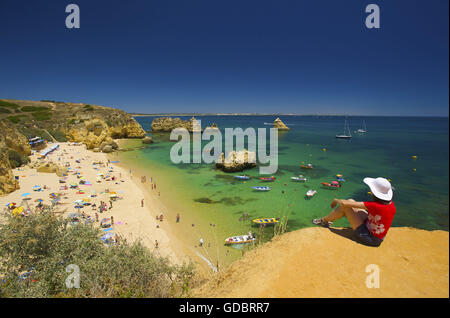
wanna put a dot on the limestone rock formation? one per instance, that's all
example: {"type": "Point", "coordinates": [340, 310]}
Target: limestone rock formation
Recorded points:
{"type": "Point", "coordinates": [167, 124]}
{"type": "Point", "coordinates": [212, 127]}
{"type": "Point", "coordinates": [236, 161]}
{"type": "Point", "coordinates": [147, 140]}
{"type": "Point", "coordinates": [107, 149]}
{"type": "Point", "coordinates": [279, 124]}
{"type": "Point", "coordinates": [93, 125]}
{"type": "Point", "coordinates": [95, 133]}
{"type": "Point", "coordinates": [52, 168]}
{"type": "Point", "coordinates": [10, 139]}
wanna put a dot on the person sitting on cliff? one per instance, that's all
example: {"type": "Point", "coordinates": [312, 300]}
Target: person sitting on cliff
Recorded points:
{"type": "Point", "coordinates": [370, 220]}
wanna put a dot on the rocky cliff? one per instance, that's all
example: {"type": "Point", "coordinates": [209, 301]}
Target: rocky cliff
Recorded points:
{"type": "Point", "coordinates": [93, 125]}
{"type": "Point", "coordinates": [11, 143]}
{"type": "Point", "coordinates": [167, 124]}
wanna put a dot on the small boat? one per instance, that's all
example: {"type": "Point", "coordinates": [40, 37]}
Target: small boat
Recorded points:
{"type": "Point", "coordinates": [344, 136]}
{"type": "Point", "coordinates": [308, 166]}
{"type": "Point", "coordinates": [332, 184]}
{"type": "Point", "coordinates": [267, 178]}
{"type": "Point", "coordinates": [300, 178]}
{"type": "Point", "coordinates": [261, 188]}
{"type": "Point", "coordinates": [362, 130]}
{"type": "Point", "coordinates": [311, 193]}
{"type": "Point", "coordinates": [340, 178]}
{"type": "Point", "coordinates": [241, 239]}
{"type": "Point", "coordinates": [242, 177]}
{"type": "Point", "coordinates": [266, 220]}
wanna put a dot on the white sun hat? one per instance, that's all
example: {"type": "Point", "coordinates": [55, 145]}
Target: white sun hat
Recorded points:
{"type": "Point", "coordinates": [380, 188]}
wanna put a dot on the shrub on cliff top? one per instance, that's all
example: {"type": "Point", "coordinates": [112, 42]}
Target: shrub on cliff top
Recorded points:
{"type": "Point", "coordinates": [33, 108]}
{"type": "Point", "coordinates": [16, 119]}
{"type": "Point", "coordinates": [35, 251]}
{"type": "Point", "coordinates": [8, 104]}
{"type": "Point", "coordinates": [42, 115]}
{"type": "Point", "coordinates": [88, 108]}
{"type": "Point", "coordinates": [17, 159]}
{"type": "Point", "coordinates": [58, 135]}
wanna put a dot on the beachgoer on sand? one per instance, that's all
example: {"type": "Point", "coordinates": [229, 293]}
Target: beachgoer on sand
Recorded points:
{"type": "Point", "coordinates": [371, 220]}
{"type": "Point", "coordinates": [201, 242]}
{"type": "Point", "coordinates": [178, 217]}
{"type": "Point", "coordinates": [156, 244]}
{"type": "Point", "coordinates": [142, 203]}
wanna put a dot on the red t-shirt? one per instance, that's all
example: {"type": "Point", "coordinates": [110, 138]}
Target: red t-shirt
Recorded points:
{"type": "Point", "coordinates": [380, 218]}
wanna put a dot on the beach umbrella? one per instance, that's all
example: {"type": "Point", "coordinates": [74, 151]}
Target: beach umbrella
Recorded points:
{"type": "Point", "coordinates": [78, 201]}
{"type": "Point", "coordinates": [11, 204]}
{"type": "Point", "coordinates": [38, 200]}
{"type": "Point", "coordinates": [78, 206]}
{"type": "Point", "coordinates": [36, 188]}
{"type": "Point", "coordinates": [25, 194]}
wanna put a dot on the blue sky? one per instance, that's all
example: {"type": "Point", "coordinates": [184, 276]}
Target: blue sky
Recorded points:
{"type": "Point", "coordinates": [230, 56]}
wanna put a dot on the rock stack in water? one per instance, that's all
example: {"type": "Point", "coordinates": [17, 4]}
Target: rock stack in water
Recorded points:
{"type": "Point", "coordinates": [167, 124]}
{"type": "Point", "coordinates": [212, 127]}
{"type": "Point", "coordinates": [236, 161]}
{"type": "Point", "coordinates": [279, 124]}
{"type": "Point", "coordinates": [147, 140]}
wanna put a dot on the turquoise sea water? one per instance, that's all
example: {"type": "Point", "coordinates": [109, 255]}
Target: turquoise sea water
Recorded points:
{"type": "Point", "coordinates": [205, 196]}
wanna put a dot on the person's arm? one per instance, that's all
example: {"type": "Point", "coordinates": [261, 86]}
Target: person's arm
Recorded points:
{"type": "Point", "coordinates": [348, 203]}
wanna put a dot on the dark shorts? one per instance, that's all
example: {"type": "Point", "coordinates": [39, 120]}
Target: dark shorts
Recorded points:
{"type": "Point", "coordinates": [365, 237]}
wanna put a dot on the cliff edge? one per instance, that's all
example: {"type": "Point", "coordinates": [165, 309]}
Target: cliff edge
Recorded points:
{"type": "Point", "coordinates": [318, 262]}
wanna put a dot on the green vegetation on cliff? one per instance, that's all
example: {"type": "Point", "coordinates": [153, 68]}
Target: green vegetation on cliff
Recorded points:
{"type": "Point", "coordinates": [36, 250]}
{"type": "Point", "coordinates": [17, 159]}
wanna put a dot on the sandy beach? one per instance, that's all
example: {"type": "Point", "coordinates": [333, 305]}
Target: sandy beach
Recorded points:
{"type": "Point", "coordinates": [131, 220]}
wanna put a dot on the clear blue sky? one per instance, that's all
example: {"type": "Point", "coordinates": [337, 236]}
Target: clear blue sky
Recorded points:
{"type": "Point", "coordinates": [230, 56]}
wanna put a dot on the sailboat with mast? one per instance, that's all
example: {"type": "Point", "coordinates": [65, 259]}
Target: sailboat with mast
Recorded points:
{"type": "Point", "coordinates": [362, 130]}
{"type": "Point", "coordinates": [344, 135]}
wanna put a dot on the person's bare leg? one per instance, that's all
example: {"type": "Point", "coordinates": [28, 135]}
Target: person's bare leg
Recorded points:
{"type": "Point", "coordinates": [354, 216]}
{"type": "Point", "coordinates": [336, 214]}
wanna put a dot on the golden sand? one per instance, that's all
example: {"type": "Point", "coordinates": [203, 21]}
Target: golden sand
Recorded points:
{"type": "Point", "coordinates": [132, 221]}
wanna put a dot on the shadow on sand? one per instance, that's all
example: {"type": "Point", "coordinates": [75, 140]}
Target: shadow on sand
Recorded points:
{"type": "Point", "coordinates": [348, 233]}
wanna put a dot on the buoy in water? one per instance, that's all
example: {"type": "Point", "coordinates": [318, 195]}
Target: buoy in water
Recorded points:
{"type": "Point", "coordinates": [414, 157]}
{"type": "Point", "coordinates": [324, 149]}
